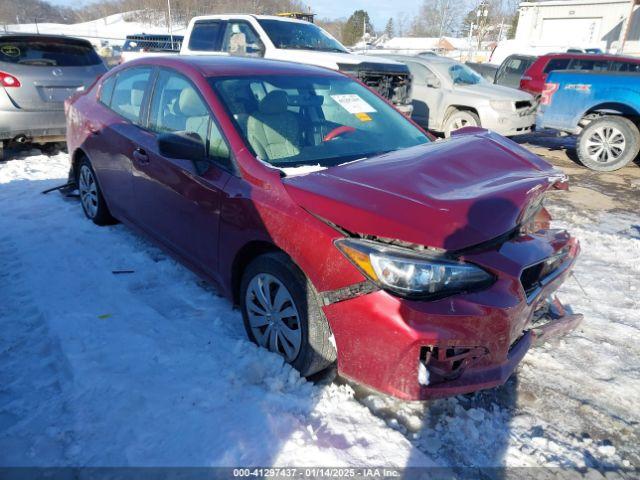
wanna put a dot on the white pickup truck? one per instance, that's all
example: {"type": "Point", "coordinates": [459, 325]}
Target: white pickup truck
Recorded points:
{"type": "Point", "coordinates": [298, 41]}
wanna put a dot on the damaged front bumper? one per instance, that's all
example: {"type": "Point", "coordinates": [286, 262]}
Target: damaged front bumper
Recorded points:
{"type": "Point", "coordinates": [416, 350]}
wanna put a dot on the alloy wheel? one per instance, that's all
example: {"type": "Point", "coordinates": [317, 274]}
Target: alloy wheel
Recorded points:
{"type": "Point", "coordinates": [88, 191]}
{"type": "Point", "coordinates": [273, 316]}
{"type": "Point", "coordinates": [606, 144]}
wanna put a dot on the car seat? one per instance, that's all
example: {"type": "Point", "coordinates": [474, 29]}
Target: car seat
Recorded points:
{"type": "Point", "coordinates": [273, 131]}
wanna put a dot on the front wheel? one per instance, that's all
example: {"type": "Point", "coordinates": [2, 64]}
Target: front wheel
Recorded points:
{"type": "Point", "coordinates": [281, 313]}
{"type": "Point", "coordinates": [608, 143]}
{"type": "Point", "coordinates": [459, 119]}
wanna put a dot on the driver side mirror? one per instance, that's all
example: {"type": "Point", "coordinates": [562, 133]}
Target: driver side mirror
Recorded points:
{"type": "Point", "coordinates": [433, 83]}
{"type": "Point", "coordinates": [184, 146]}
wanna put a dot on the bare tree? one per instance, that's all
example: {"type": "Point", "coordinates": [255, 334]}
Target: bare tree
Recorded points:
{"type": "Point", "coordinates": [437, 18]}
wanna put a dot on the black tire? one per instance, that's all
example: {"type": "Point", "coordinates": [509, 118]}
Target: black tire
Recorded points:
{"type": "Point", "coordinates": [1, 150]}
{"type": "Point", "coordinates": [50, 149]}
{"type": "Point", "coordinates": [316, 351]}
{"type": "Point", "coordinates": [101, 215]}
{"type": "Point", "coordinates": [614, 155]}
{"type": "Point", "coordinates": [464, 116]}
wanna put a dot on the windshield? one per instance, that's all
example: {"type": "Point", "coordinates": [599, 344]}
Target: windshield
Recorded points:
{"type": "Point", "coordinates": [300, 36]}
{"type": "Point", "coordinates": [462, 75]}
{"type": "Point", "coordinates": [303, 120]}
{"type": "Point", "coordinates": [40, 51]}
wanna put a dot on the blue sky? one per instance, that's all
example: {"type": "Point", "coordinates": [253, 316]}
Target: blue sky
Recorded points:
{"type": "Point", "coordinates": [379, 10]}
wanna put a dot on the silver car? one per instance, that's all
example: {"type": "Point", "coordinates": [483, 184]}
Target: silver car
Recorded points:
{"type": "Point", "coordinates": [448, 95]}
{"type": "Point", "coordinates": [37, 74]}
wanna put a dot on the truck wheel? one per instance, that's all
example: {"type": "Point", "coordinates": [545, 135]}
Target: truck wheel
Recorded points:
{"type": "Point", "coordinates": [282, 313]}
{"type": "Point", "coordinates": [459, 119]}
{"type": "Point", "coordinates": [1, 150]}
{"type": "Point", "coordinates": [608, 143]}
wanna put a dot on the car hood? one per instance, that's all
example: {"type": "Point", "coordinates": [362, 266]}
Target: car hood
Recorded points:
{"type": "Point", "coordinates": [449, 194]}
{"type": "Point", "coordinates": [494, 92]}
{"type": "Point", "coordinates": [327, 59]}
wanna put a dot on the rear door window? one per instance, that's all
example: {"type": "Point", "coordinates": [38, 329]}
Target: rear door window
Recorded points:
{"type": "Point", "coordinates": [516, 66]}
{"type": "Point", "coordinates": [40, 51]}
{"type": "Point", "coordinates": [589, 65]}
{"type": "Point", "coordinates": [206, 36]}
{"type": "Point", "coordinates": [557, 64]}
{"type": "Point", "coordinates": [129, 92]}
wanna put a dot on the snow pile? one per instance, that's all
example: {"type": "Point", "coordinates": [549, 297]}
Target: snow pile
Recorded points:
{"type": "Point", "coordinates": [152, 368]}
{"type": "Point", "coordinates": [148, 368]}
{"type": "Point", "coordinates": [113, 28]}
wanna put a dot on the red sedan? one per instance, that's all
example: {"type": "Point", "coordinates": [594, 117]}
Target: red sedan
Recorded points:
{"type": "Point", "coordinates": [343, 232]}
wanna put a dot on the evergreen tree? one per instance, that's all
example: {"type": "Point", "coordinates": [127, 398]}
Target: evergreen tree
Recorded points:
{"type": "Point", "coordinates": [354, 28]}
{"type": "Point", "coordinates": [390, 29]}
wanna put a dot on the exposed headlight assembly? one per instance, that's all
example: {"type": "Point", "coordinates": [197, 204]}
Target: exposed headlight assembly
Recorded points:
{"type": "Point", "coordinates": [412, 274]}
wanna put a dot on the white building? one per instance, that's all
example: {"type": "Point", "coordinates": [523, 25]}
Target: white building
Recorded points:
{"type": "Point", "coordinates": [566, 24]}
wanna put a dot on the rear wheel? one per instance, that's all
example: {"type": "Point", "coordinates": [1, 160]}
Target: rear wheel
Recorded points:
{"type": "Point", "coordinates": [608, 143]}
{"type": "Point", "coordinates": [50, 149]}
{"type": "Point", "coordinates": [459, 119]}
{"type": "Point", "coordinates": [93, 204]}
{"type": "Point", "coordinates": [282, 313]}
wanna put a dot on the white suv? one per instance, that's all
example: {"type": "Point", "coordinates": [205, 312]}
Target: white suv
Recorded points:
{"type": "Point", "coordinates": [298, 41]}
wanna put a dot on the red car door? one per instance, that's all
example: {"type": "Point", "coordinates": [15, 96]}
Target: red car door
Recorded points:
{"type": "Point", "coordinates": [112, 130]}
{"type": "Point", "coordinates": [173, 200]}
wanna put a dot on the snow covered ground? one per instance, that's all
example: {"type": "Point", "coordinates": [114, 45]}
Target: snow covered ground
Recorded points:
{"type": "Point", "coordinates": [152, 368]}
{"type": "Point", "coordinates": [113, 28]}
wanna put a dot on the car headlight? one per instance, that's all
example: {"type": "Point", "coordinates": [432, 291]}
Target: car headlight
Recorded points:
{"type": "Point", "coordinates": [412, 274]}
{"type": "Point", "coordinates": [501, 105]}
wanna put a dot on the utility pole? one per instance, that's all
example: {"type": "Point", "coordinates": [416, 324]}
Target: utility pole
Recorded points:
{"type": "Point", "coordinates": [445, 13]}
{"type": "Point", "coordinates": [482, 14]}
{"type": "Point", "coordinates": [169, 21]}
{"type": "Point", "coordinates": [627, 28]}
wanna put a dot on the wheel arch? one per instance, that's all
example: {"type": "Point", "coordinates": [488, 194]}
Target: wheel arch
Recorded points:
{"type": "Point", "coordinates": [243, 258]}
{"type": "Point", "coordinates": [613, 108]}
{"type": "Point", "coordinates": [76, 157]}
{"type": "Point", "coordinates": [451, 109]}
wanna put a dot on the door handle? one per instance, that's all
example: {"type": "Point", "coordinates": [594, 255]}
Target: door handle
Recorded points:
{"type": "Point", "coordinates": [140, 155]}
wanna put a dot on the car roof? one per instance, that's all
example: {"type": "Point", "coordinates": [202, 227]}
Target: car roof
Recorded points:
{"type": "Point", "coordinates": [590, 56]}
{"type": "Point", "coordinates": [42, 36]}
{"type": "Point", "coordinates": [224, 65]}
{"type": "Point", "coordinates": [248, 15]}
{"type": "Point", "coordinates": [522, 55]}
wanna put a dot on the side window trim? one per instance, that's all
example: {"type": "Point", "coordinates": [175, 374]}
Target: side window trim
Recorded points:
{"type": "Point", "coordinates": [146, 99]}
{"type": "Point", "coordinates": [153, 81]}
{"type": "Point", "coordinates": [212, 119]}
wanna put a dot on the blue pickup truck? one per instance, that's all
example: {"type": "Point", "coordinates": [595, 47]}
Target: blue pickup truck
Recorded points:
{"type": "Point", "coordinates": [602, 108]}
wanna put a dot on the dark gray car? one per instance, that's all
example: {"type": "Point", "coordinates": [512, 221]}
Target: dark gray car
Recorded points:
{"type": "Point", "coordinates": [37, 74]}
